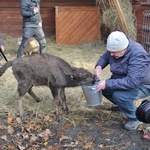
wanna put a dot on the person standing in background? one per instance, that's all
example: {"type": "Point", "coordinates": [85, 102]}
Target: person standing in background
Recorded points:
{"type": "Point", "coordinates": [32, 25]}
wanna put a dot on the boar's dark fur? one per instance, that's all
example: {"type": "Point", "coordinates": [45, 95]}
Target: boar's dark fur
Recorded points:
{"type": "Point", "coordinates": [46, 70]}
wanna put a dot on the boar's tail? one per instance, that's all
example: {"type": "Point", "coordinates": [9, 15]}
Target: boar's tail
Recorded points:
{"type": "Point", "coordinates": [5, 67]}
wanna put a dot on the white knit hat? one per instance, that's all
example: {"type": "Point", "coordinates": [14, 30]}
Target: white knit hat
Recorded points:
{"type": "Point", "coordinates": [117, 41]}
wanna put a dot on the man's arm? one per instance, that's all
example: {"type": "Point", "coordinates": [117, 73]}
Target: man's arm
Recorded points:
{"type": "Point", "coordinates": [26, 11]}
{"type": "Point", "coordinates": [1, 43]}
{"type": "Point", "coordinates": [137, 69]}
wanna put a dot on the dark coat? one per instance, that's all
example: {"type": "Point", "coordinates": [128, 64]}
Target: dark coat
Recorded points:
{"type": "Point", "coordinates": [129, 71]}
{"type": "Point", "coordinates": [29, 18]}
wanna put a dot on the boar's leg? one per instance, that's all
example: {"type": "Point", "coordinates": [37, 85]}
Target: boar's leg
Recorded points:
{"type": "Point", "coordinates": [33, 95]}
{"type": "Point", "coordinates": [63, 100]}
{"type": "Point", "coordinates": [23, 88]}
{"type": "Point", "coordinates": [59, 98]}
{"type": "Point", "coordinates": [21, 112]}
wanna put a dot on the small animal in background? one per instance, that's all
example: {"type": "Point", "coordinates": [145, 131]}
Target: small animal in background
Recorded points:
{"type": "Point", "coordinates": [31, 48]}
{"type": "Point", "coordinates": [47, 70]}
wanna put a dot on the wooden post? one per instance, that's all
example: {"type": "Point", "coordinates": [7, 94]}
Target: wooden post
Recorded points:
{"type": "Point", "coordinates": [121, 16]}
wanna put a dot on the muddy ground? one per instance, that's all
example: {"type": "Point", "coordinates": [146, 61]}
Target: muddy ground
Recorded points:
{"type": "Point", "coordinates": [91, 128]}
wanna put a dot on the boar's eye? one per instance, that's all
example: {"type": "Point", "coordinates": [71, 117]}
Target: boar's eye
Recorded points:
{"type": "Point", "coordinates": [86, 76]}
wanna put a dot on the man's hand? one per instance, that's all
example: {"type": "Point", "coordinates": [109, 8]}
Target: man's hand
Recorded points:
{"type": "Point", "coordinates": [97, 71]}
{"type": "Point", "coordinates": [40, 24]}
{"type": "Point", "coordinates": [2, 48]}
{"type": "Point", "coordinates": [35, 10]}
{"type": "Point", "coordinates": [101, 86]}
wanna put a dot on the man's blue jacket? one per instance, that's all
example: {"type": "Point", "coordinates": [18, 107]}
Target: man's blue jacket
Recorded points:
{"type": "Point", "coordinates": [129, 71]}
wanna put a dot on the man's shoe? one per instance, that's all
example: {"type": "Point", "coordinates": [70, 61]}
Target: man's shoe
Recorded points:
{"type": "Point", "coordinates": [115, 109]}
{"type": "Point", "coordinates": [132, 125]}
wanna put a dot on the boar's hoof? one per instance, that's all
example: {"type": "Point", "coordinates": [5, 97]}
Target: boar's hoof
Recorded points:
{"type": "Point", "coordinates": [67, 112]}
{"type": "Point", "coordinates": [23, 118]}
{"type": "Point", "coordinates": [59, 119]}
{"type": "Point", "coordinates": [38, 100]}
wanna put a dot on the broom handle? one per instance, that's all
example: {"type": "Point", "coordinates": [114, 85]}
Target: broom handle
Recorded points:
{"type": "Point", "coordinates": [3, 54]}
{"type": "Point", "coordinates": [116, 5]}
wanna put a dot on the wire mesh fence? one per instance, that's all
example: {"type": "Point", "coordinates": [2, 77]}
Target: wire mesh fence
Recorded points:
{"type": "Point", "coordinates": [146, 31]}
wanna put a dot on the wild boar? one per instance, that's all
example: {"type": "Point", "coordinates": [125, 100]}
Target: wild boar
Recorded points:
{"type": "Point", "coordinates": [46, 70]}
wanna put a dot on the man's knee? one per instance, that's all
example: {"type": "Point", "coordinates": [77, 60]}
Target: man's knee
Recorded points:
{"type": "Point", "coordinates": [119, 96]}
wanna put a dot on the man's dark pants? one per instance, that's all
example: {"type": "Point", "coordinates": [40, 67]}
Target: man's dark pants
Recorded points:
{"type": "Point", "coordinates": [28, 33]}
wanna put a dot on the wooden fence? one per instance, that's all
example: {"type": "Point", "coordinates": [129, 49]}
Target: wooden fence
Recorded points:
{"type": "Point", "coordinates": [139, 7]}
{"type": "Point", "coordinates": [75, 25]}
{"type": "Point", "coordinates": [11, 20]}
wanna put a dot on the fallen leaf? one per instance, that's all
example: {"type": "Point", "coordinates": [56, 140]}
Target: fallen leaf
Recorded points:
{"type": "Point", "coordinates": [51, 148]}
{"type": "Point", "coordinates": [140, 129]}
{"type": "Point", "coordinates": [108, 140]}
{"type": "Point", "coordinates": [11, 147]}
{"type": "Point", "coordinates": [88, 145]}
{"type": "Point", "coordinates": [33, 138]}
{"type": "Point", "coordinates": [105, 133]}
{"type": "Point", "coordinates": [80, 138]}
{"type": "Point", "coordinates": [47, 132]}
{"type": "Point", "coordinates": [45, 135]}
{"type": "Point", "coordinates": [10, 129]}
{"type": "Point", "coordinates": [3, 127]}
{"type": "Point", "coordinates": [70, 145]}
{"type": "Point", "coordinates": [146, 136]}
{"type": "Point", "coordinates": [59, 133]}
{"type": "Point", "coordinates": [106, 112]}
{"type": "Point", "coordinates": [45, 143]}
{"type": "Point", "coordinates": [18, 119]}
{"type": "Point", "coordinates": [4, 137]}
{"type": "Point", "coordinates": [147, 129]}
{"type": "Point", "coordinates": [66, 126]}
{"type": "Point", "coordinates": [63, 138]}
{"type": "Point", "coordinates": [101, 146]}
{"type": "Point", "coordinates": [99, 125]}
{"type": "Point", "coordinates": [25, 136]}
{"type": "Point", "coordinates": [47, 118]}
{"type": "Point", "coordinates": [46, 138]}
{"type": "Point", "coordinates": [127, 144]}
{"type": "Point", "coordinates": [9, 120]}
{"type": "Point", "coordinates": [52, 135]}
{"type": "Point", "coordinates": [21, 147]}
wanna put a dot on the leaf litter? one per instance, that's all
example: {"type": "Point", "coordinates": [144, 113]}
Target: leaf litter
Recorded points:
{"type": "Point", "coordinates": [85, 128]}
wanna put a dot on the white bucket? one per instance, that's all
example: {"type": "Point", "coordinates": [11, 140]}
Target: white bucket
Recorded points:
{"type": "Point", "coordinates": [92, 98]}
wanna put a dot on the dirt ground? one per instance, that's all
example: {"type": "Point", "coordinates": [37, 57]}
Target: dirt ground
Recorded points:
{"type": "Point", "coordinates": [85, 128]}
